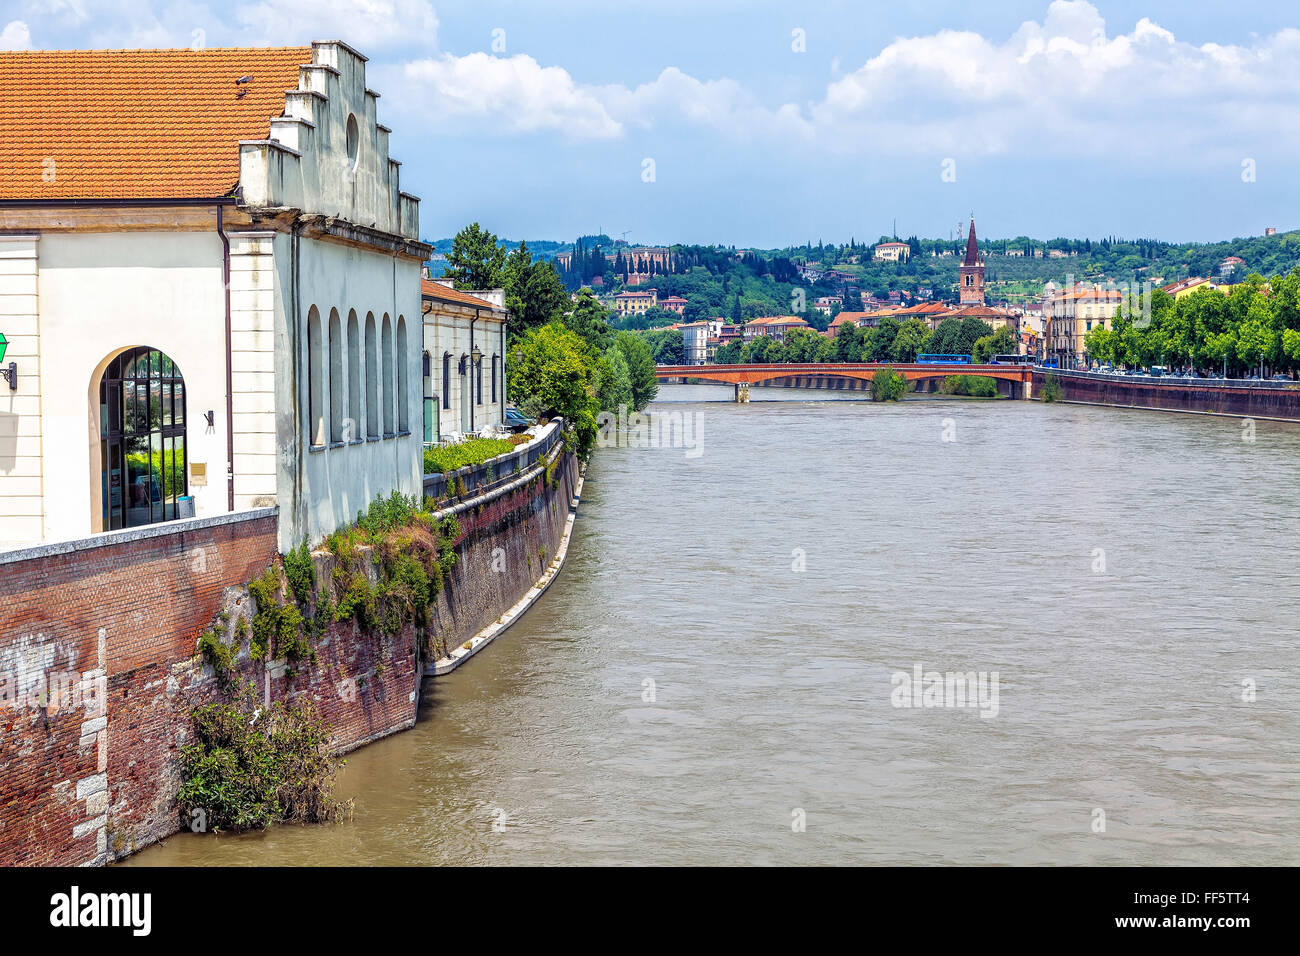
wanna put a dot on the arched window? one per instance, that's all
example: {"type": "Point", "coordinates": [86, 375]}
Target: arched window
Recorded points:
{"type": "Point", "coordinates": [353, 430]}
{"type": "Point", "coordinates": [403, 398]}
{"type": "Point", "coordinates": [336, 377]}
{"type": "Point", "coordinates": [387, 358]}
{"type": "Point", "coordinates": [372, 378]}
{"type": "Point", "coordinates": [446, 380]}
{"type": "Point", "coordinates": [315, 380]}
{"type": "Point", "coordinates": [430, 405]}
{"type": "Point", "coordinates": [142, 449]}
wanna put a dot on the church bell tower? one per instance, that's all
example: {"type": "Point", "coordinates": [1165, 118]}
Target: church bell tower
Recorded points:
{"type": "Point", "coordinates": [972, 271]}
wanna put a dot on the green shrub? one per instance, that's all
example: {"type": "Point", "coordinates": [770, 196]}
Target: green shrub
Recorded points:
{"type": "Point", "coordinates": [977, 386]}
{"type": "Point", "coordinates": [250, 768]}
{"type": "Point", "coordinates": [888, 385]}
{"type": "Point", "coordinates": [1051, 390]}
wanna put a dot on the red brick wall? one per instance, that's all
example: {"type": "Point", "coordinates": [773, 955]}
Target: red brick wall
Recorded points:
{"type": "Point", "coordinates": [96, 778]}
{"type": "Point", "coordinates": [150, 597]}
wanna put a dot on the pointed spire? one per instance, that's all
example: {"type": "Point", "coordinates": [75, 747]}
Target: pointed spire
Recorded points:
{"type": "Point", "coordinates": [972, 247]}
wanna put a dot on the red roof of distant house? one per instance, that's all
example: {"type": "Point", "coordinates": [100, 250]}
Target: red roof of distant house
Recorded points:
{"type": "Point", "coordinates": [778, 320]}
{"type": "Point", "coordinates": [136, 124]}
{"type": "Point", "coordinates": [674, 299]}
{"type": "Point", "coordinates": [436, 290]}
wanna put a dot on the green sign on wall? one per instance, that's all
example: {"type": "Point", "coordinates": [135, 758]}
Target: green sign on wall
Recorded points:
{"type": "Point", "coordinates": [4, 344]}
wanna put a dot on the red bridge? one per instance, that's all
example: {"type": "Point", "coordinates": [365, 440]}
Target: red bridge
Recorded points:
{"type": "Point", "coordinates": [1020, 377]}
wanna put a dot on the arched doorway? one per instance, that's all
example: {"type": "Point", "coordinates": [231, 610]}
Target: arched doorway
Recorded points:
{"type": "Point", "coordinates": [142, 439]}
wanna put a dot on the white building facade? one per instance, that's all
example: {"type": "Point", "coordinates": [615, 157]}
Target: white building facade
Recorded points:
{"type": "Point", "coordinates": [464, 360]}
{"type": "Point", "coordinates": [220, 313]}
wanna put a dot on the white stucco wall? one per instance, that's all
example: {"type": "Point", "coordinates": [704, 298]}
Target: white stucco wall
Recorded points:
{"type": "Point", "coordinates": [322, 488]}
{"type": "Point", "coordinates": [447, 329]}
{"type": "Point", "coordinates": [100, 294]}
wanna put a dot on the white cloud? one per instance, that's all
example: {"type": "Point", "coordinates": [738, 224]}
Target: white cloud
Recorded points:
{"type": "Point", "coordinates": [1065, 85]}
{"type": "Point", "coordinates": [363, 24]}
{"type": "Point", "coordinates": [15, 36]}
{"type": "Point", "coordinates": [514, 93]}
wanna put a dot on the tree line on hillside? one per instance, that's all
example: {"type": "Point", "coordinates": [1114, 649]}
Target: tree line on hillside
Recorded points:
{"type": "Point", "coordinates": [1256, 326]}
{"type": "Point", "coordinates": [722, 282]}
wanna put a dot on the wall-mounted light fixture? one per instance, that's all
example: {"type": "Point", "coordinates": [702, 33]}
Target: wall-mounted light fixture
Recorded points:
{"type": "Point", "coordinates": [10, 373]}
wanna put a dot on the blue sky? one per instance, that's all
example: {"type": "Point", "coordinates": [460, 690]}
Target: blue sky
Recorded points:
{"type": "Point", "coordinates": [773, 123]}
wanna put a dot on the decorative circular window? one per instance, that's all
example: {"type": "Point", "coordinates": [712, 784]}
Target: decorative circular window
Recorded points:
{"type": "Point", "coordinates": [354, 143]}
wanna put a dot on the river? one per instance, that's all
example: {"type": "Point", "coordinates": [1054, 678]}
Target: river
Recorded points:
{"type": "Point", "coordinates": [1131, 576]}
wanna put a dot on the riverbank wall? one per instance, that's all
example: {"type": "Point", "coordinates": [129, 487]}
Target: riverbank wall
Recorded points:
{"type": "Point", "coordinates": [1235, 398]}
{"type": "Point", "coordinates": [100, 669]}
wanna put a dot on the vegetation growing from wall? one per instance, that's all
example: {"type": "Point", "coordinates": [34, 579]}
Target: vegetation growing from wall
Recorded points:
{"type": "Point", "coordinates": [976, 386]}
{"type": "Point", "coordinates": [1051, 390]}
{"type": "Point", "coordinates": [388, 570]}
{"type": "Point", "coordinates": [251, 767]}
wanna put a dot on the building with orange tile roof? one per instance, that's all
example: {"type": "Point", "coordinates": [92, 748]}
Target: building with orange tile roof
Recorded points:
{"type": "Point", "coordinates": [211, 260]}
{"type": "Point", "coordinates": [463, 363]}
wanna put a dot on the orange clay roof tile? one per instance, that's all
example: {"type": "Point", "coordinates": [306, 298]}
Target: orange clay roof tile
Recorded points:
{"type": "Point", "coordinates": [136, 124]}
{"type": "Point", "coordinates": [436, 290]}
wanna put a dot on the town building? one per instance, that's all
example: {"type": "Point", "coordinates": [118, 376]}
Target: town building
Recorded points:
{"type": "Point", "coordinates": [1071, 314]}
{"type": "Point", "coordinates": [1185, 287]}
{"type": "Point", "coordinates": [211, 291]}
{"type": "Point", "coordinates": [891, 252]}
{"type": "Point", "coordinates": [773, 326]}
{"type": "Point", "coordinates": [634, 303]}
{"type": "Point", "coordinates": [464, 359]}
{"type": "Point", "coordinates": [674, 303]}
{"type": "Point", "coordinates": [1229, 264]}
{"type": "Point", "coordinates": [695, 343]}
{"type": "Point", "coordinates": [828, 303]}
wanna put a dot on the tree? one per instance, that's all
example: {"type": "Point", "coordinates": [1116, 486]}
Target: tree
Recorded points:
{"type": "Point", "coordinates": [589, 319]}
{"type": "Point", "coordinates": [848, 343]}
{"type": "Point", "coordinates": [613, 383]}
{"type": "Point", "coordinates": [552, 370]}
{"type": "Point", "coordinates": [666, 345]}
{"type": "Point", "coordinates": [476, 260]}
{"type": "Point", "coordinates": [880, 340]}
{"type": "Point", "coordinates": [640, 367]}
{"type": "Point", "coordinates": [909, 341]}
{"type": "Point", "coordinates": [535, 293]}
{"type": "Point", "coordinates": [999, 342]}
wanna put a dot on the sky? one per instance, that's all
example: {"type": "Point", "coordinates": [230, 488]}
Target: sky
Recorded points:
{"type": "Point", "coordinates": [774, 123]}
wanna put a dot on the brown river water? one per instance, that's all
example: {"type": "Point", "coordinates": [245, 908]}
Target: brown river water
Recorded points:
{"type": "Point", "coordinates": [712, 678]}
